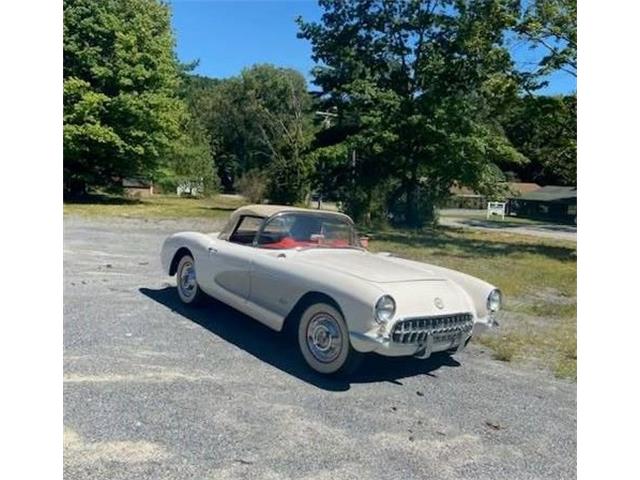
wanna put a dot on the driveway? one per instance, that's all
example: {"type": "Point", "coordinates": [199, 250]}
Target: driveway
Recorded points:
{"type": "Point", "coordinates": [156, 390]}
{"type": "Point", "coordinates": [472, 219]}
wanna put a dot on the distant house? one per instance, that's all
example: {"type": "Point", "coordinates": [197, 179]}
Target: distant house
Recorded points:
{"type": "Point", "coordinates": [555, 203]}
{"type": "Point", "coordinates": [137, 187]}
{"type": "Point", "coordinates": [521, 188]}
{"type": "Point", "coordinates": [463, 197]}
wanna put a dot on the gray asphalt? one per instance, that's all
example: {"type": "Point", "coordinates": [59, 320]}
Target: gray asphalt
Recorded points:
{"type": "Point", "coordinates": [156, 390]}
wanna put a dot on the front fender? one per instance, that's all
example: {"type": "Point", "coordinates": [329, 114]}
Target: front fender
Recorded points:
{"type": "Point", "coordinates": [195, 242]}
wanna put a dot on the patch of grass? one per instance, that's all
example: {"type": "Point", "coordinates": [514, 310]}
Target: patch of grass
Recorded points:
{"type": "Point", "coordinates": [505, 351]}
{"type": "Point", "coordinates": [157, 206]}
{"type": "Point", "coordinates": [541, 308]}
{"type": "Point", "coordinates": [551, 345]}
{"type": "Point", "coordinates": [537, 277]}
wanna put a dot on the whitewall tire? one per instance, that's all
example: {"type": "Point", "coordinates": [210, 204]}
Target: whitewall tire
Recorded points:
{"type": "Point", "coordinates": [188, 289]}
{"type": "Point", "coordinates": [323, 339]}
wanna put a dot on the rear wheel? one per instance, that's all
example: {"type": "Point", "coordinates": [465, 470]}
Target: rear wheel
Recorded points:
{"type": "Point", "coordinates": [188, 289]}
{"type": "Point", "coordinates": [323, 339]}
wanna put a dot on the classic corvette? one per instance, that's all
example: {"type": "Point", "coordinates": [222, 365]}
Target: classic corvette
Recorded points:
{"type": "Point", "coordinates": [307, 271]}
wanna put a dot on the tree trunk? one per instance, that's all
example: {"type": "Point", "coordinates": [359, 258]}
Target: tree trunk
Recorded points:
{"type": "Point", "coordinates": [412, 212]}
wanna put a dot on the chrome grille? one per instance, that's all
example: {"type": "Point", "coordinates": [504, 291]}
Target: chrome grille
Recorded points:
{"type": "Point", "coordinates": [416, 330]}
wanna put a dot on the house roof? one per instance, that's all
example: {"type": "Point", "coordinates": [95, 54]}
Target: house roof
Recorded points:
{"type": "Point", "coordinates": [550, 193]}
{"type": "Point", "coordinates": [523, 187]}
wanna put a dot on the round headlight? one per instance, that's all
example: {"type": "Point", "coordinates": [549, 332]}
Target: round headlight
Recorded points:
{"type": "Point", "coordinates": [494, 301]}
{"type": "Point", "coordinates": [385, 309]}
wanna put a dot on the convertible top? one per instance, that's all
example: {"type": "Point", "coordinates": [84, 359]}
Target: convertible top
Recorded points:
{"type": "Point", "coordinates": [267, 211]}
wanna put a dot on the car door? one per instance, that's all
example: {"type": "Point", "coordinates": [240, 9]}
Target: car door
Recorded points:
{"type": "Point", "coordinates": [274, 286]}
{"type": "Point", "coordinates": [228, 263]}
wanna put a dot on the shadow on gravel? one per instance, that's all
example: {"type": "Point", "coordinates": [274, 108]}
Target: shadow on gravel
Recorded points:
{"type": "Point", "coordinates": [280, 350]}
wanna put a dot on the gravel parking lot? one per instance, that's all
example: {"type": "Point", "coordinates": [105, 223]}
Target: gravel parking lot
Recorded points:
{"type": "Point", "coordinates": [156, 390]}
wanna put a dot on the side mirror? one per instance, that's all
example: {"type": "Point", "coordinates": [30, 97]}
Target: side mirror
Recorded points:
{"type": "Point", "coordinates": [364, 241]}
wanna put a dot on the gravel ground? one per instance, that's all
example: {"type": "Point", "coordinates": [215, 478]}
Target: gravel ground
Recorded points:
{"type": "Point", "coordinates": [156, 390]}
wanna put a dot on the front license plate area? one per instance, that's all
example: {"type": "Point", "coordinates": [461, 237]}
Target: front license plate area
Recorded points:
{"type": "Point", "coordinates": [449, 339]}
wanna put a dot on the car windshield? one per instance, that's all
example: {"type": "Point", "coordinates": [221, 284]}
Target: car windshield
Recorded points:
{"type": "Point", "coordinates": [307, 230]}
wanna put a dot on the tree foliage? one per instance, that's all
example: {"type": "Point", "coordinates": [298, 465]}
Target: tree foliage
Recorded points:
{"type": "Point", "coordinates": [260, 122]}
{"type": "Point", "coordinates": [122, 113]}
{"type": "Point", "coordinates": [420, 84]}
{"type": "Point", "coordinates": [544, 130]}
{"type": "Point", "coordinates": [552, 26]}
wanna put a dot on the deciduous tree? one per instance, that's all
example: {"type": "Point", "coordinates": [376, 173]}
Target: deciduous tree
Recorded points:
{"type": "Point", "coordinates": [122, 112]}
{"type": "Point", "coordinates": [421, 83]}
{"type": "Point", "coordinates": [260, 122]}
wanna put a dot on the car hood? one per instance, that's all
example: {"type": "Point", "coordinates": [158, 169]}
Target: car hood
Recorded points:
{"type": "Point", "coordinates": [365, 265]}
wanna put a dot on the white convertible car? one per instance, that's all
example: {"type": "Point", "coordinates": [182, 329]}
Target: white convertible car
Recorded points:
{"type": "Point", "coordinates": [306, 270]}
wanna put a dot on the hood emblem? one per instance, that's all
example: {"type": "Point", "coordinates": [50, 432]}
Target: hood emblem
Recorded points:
{"type": "Point", "coordinates": [438, 303]}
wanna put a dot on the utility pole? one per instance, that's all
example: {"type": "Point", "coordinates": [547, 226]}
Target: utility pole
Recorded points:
{"type": "Point", "coordinates": [326, 118]}
{"type": "Point", "coordinates": [326, 123]}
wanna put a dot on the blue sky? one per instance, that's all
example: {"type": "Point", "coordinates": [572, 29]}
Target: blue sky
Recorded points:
{"type": "Point", "coordinates": [227, 36]}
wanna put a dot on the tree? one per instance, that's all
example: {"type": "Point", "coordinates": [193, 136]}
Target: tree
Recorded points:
{"type": "Point", "coordinates": [259, 122]}
{"type": "Point", "coordinates": [421, 84]}
{"type": "Point", "coordinates": [552, 26]}
{"type": "Point", "coordinates": [278, 101]}
{"type": "Point", "coordinates": [544, 130]}
{"type": "Point", "coordinates": [122, 113]}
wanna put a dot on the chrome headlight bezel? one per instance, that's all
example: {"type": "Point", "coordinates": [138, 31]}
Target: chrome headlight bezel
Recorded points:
{"type": "Point", "coordinates": [385, 309]}
{"type": "Point", "coordinates": [494, 300]}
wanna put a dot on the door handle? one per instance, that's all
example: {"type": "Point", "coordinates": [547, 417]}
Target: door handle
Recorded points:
{"type": "Point", "coordinates": [213, 251]}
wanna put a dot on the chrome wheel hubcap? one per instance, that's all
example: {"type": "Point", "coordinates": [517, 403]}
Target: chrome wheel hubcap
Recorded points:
{"type": "Point", "coordinates": [187, 282]}
{"type": "Point", "coordinates": [324, 338]}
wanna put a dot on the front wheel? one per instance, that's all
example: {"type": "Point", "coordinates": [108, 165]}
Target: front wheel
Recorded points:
{"type": "Point", "coordinates": [188, 289]}
{"type": "Point", "coordinates": [323, 339]}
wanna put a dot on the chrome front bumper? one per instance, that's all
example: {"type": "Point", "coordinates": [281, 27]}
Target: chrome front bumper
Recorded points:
{"type": "Point", "coordinates": [421, 337]}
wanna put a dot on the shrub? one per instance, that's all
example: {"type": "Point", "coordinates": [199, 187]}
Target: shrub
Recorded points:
{"type": "Point", "coordinates": [253, 186]}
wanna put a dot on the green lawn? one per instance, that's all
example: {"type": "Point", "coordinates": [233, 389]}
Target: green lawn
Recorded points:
{"type": "Point", "coordinates": [537, 276]}
{"type": "Point", "coordinates": [157, 206]}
